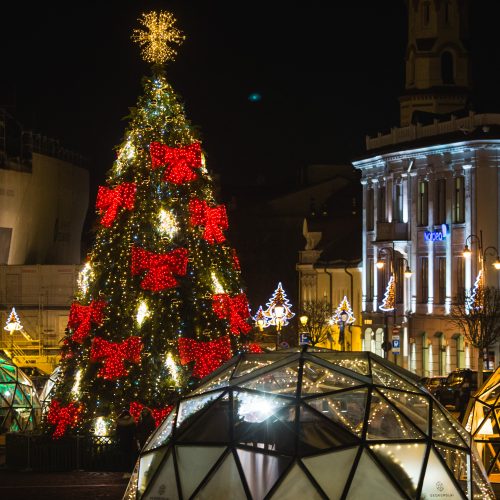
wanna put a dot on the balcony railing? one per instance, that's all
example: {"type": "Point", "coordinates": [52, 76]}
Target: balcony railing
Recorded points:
{"type": "Point", "coordinates": [392, 231]}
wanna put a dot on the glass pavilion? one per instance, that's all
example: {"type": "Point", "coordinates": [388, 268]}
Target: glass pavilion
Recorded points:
{"type": "Point", "coordinates": [483, 422]}
{"type": "Point", "coordinates": [311, 424]}
{"type": "Point", "coordinates": [20, 409]}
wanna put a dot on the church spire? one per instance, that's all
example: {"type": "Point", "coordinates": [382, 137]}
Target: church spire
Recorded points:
{"type": "Point", "coordinates": [437, 62]}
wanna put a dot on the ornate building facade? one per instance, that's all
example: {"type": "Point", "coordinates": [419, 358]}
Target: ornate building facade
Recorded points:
{"type": "Point", "coordinates": [429, 188]}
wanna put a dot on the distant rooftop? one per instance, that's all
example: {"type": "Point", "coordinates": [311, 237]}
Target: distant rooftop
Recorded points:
{"type": "Point", "coordinates": [18, 145]}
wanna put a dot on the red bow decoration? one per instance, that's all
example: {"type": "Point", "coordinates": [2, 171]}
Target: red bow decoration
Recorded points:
{"type": "Point", "coordinates": [208, 356]}
{"type": "Point", "coordinates": [254, 348]}
{"type": "Point", "coordinates": [179, 161]}
{"type": "Point", "coordinates": [81, 317]}
{"type": "Point", "coordinates": [159, 414]}
{"type": "Point", "coordinates": [115, 355]}
{"type": "Point", "coordinates": [110, 200]}
{"type": "Point", "coordinates": [160, 267]}
{"type": "Point", "coordinates": [233, 308]}
{"type": "Point", "coordinates": [63, 417]}
{"type": "Point", "coordinates": [213, 218]}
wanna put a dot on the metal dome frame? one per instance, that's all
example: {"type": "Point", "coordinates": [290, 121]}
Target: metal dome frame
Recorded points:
{"type": "Point", "coordinates": [20, 409]}
{"type": "Point", "coordinates": [321, 423]}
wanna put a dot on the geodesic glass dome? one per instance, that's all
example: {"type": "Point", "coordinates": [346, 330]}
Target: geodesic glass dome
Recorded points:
{"type": "Point", "coordinates": [483, 422]}
{"type": "Point", "coordinates": [313, 424]}
{"type": "Point", "coordinates": [48, 389]}
{"type": "Point", "coordinates": [20, 408]}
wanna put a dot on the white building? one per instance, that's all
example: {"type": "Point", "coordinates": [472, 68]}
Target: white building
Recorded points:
{"type": "Point", "coordinates": [43, 204]}
{"type": "Point", "coordinates": [429, 188]}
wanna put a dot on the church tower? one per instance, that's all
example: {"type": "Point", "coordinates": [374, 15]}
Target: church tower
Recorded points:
{"type": "Point", "coordinates": [437, 62]}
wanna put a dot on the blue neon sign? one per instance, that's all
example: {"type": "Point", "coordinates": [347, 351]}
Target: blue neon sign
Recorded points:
{"type": "Point", "coordinates": [437, 234]}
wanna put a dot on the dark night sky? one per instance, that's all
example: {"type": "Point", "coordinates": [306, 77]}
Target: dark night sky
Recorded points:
{"type": "Point", "coordinates": [328, 74]}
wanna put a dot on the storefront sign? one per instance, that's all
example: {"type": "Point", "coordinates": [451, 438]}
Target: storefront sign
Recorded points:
{"type": "Point", "coordinates": [437, 234]}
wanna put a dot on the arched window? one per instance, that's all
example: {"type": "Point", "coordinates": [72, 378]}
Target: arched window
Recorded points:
{"type": "Point", "coordinates": [447, 68]}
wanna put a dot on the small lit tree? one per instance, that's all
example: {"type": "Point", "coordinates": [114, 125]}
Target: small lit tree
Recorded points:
{"type": "Point", "coordinates": [478, 318]}
{"type": "Point", "coordinates": [318, 314]}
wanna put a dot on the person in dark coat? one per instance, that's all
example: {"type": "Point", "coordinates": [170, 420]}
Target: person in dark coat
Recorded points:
{"type": "Point", "coordinates": [126, 436]}
{"type": "Point", "coordinates": [145, 426]}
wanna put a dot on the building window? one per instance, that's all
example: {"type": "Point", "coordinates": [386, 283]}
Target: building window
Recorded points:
{"type": "Point", "coordinates": [447, 75]}
{"type": "Point", "coordinates": [369, 280]}
{"type": "Point", "coordinates": [381, 212]}
{"type": "Point", "coordinates": [424, 280]}
{"type": "Point", "coordinates": [459, 200]}
{"type": "Point", "coordinates": [460, 280]}
{"type": "Point", "coordinates": [441, 281]}
{"type": "Point", "coordinates": [397, 203]}
{"type": "Point", "coordinates": [370, 220]}
{"type": "Point", "coordinates": [423, 203]}
{"type": "Point", "coordinates": [440, 212]}
{"type": "Point", "coordinates": [447, 12]}
{"type": "Point", "coordinates": [400, 269]}
{"type": "Point", "coordinates": [426, 13]}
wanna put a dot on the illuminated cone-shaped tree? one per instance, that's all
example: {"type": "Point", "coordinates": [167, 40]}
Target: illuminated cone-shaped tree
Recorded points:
{"type": "Point", "coordinates": [475, 299]}
{"type": "Point", "coordinates": [389, 302]}
{"type": "Point", "coordinates": [160, 301]}
{"type": "Point", "coordinates": [344, 308]}
{"type": "Point", "coordinates": [283, 313]}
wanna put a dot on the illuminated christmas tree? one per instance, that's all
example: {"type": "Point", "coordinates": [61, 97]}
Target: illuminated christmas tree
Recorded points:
{"type": "Point", "coordinates": [389, 302]}
{"type": "Point", "coordinates": [160, 301]}
{"type": "Point", "coordinates": [279, 309]}
{"type": "Point", "coordinates": [475, 299]}
{"type": "Point", "coordinates": [343, 308]}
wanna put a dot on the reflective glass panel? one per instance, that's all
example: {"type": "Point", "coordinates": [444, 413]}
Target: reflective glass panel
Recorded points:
{"type": "Point", "coordinates": [456, 460]}
{"type": "Point", "coordinates": [252, 362]}
{"type": "Point", "coordinates": [437, 481]}
{"type": "Point", "coordinates": [332, 479]}
{"type": "Point", "coordinates": [403, 461]}
{"type": "Point", "coordinates": [280, 381]}
{"type": "Point", "coordinates": [345, 408]}
{"type": "Point", "coordinates": [481, 489]}
{"type": "Point", "coordinates": [371, 482]}
{"type": "Point", "coordinates": [316, 379]}
{"type": "Point", "coordinates": [147, 467]}
{"type": "Point", "coordinates": [357, 362]}
{"type": "Point", "coordinates": [193, 464]}
{"type": "Point", "coordinates": [445, 429]}
{"type": "Point", "coordinates": [385, 422]}
{"type": "Point", "coordinates": [163, 432]}
{"type": "Point", "coordinates": [296, 485]}
{"type": "Point", "coordinates": [414, 406]}
{"type": "Point", "coordinates": [164, 485]}
{"type": "Point", "coordinates": [217, 382]}
{"type": "Point", "coordinates": [188, 407]}
{"type": "Point", "coordinates": [7, 392]}
{"type": "Point", "coordinates": [261, 471]}
{"type": "Point", "coordinates": [386, 378]}
{"type": "Point", "coordinates": [225, 483]}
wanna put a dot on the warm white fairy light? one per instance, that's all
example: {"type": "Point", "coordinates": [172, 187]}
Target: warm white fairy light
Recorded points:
{"type": "Point", "coordinates": [172, 368]}
{"type": "Point", "coordinates": [167, 225]}
{"type": "Point", "coordinates": [84, 278]}
{"type": "Point", "coordinates": [158, 37]}
{"type": "Point", "coordinates": [203, 164]}
{"type": "Point", "coordinates": [75, 390]}
{"type": "Point", "coordinates": [218, 288]}
{"type": "Point", "coordinates": [101, 427]}
{"type": "Point", "coordinates": [142, 313]}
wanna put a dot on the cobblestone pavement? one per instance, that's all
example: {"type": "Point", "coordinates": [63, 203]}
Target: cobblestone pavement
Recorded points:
{"type": "Point", "coordinates": [78, 485]}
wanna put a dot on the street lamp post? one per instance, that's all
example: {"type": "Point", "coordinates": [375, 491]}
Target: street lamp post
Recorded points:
{"type": "Point", "coordinates": [279, 312]}
{"type": "Point", "coordinates": [389, 251]}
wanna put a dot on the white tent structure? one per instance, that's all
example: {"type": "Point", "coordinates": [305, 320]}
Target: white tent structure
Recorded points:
{"type": "Point", "coordinates": [311, 424]}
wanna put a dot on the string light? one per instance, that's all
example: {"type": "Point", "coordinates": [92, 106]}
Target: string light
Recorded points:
{"type": "Point", "coordinates": [389, 303]}
{"type": "Point", "coordinates": [217, 287]}
{"type": "Point", "coordinates": [167, 225]}
{"type": "Point", "coordinates": [142, 313]}
{"type": "Point", "coordinates": [84, 278]}
{"type": "Point", "coordinates": [172, 367]}
{"type": "Point", "coordinates": [75, 389]}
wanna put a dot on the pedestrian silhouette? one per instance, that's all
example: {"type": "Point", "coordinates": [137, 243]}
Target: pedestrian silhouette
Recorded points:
{"type": "Point", "coordinates": [145, 426]}
{"type": "Point", "coordinates": [126, 437]}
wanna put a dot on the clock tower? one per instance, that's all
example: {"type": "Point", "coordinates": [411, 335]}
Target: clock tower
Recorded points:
{"type": "Point", "coordinates": [437, 62]}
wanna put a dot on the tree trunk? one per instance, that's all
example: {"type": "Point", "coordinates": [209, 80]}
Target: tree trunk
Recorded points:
{"type": "Point", "coordinates": [480, 364]}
